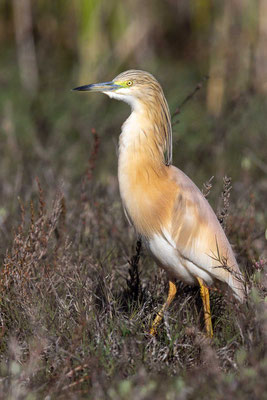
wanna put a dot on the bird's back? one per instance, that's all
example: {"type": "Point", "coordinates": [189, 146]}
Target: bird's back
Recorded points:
{"type": "Point", "coordinates": [198, 237]}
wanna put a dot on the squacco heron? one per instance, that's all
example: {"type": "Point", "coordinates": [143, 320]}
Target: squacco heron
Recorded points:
{"type": "Point", "coordinates": [166, 208]}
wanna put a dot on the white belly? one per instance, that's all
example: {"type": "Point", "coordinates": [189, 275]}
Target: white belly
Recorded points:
{"type": "Point", "coordinates": [169, 258]}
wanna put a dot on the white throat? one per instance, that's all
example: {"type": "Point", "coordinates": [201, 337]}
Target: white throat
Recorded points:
{"type": "Point", "coordinates": [127, 98]}
{"type": "Point", "coordinates": [131, 128]}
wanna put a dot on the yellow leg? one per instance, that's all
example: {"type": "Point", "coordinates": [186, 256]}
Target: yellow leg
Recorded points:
{"type": "Point", "coordinates": [204, 293]}
{"type": "Point", "coordinates": [157, 320]}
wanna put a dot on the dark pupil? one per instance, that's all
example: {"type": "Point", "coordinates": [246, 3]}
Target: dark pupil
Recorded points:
{"type": "Point", "coordinates": [129, 83]}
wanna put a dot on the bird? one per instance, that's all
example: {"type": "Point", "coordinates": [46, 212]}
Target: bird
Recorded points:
{"type": "Point", "coordinates": [168, 211]}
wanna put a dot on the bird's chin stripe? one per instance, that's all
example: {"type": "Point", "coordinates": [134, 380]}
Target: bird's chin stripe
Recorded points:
{"type": "Point", "coordinates": [131, 100]}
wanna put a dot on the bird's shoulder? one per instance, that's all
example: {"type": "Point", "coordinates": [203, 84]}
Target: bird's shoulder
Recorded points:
{"type": "Point", "coordinates": [192, 212]}
{"type": "Point", "coordinates": [186, 188]}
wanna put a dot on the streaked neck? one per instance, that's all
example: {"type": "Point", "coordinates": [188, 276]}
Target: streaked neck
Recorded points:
{"type": "Point", "coordinates": [140, 136]}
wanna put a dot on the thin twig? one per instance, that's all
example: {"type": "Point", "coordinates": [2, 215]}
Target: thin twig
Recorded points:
{"type": "Point", "coordinates": [207, 187]}
{"type": "Point", "coordinates": [190, 96]}
{"type": "Point", "coordinates": [223, 214]}
{"type": "Point", "coordinates": [133, 282]}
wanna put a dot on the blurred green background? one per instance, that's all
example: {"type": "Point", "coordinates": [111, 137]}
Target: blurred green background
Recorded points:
{"type": "Point", "coordinates": [49, 47]}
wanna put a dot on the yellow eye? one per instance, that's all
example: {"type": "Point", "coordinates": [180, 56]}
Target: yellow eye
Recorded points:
{"type": "Point", "coordinates": [129, 83]}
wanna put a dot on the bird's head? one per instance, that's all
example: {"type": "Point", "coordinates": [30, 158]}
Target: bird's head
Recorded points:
{"type": "Point", "coordinates": [133, 87]}
{"type": "Point", "coordinates": [144, 94]}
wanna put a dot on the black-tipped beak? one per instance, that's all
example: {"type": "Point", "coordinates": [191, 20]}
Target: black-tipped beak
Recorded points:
{"type": "Point", "coordinates": [98, 87]}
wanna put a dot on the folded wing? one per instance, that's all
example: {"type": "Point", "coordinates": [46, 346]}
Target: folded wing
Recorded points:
{"type": "Point", "coordinates": [199, 237]}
